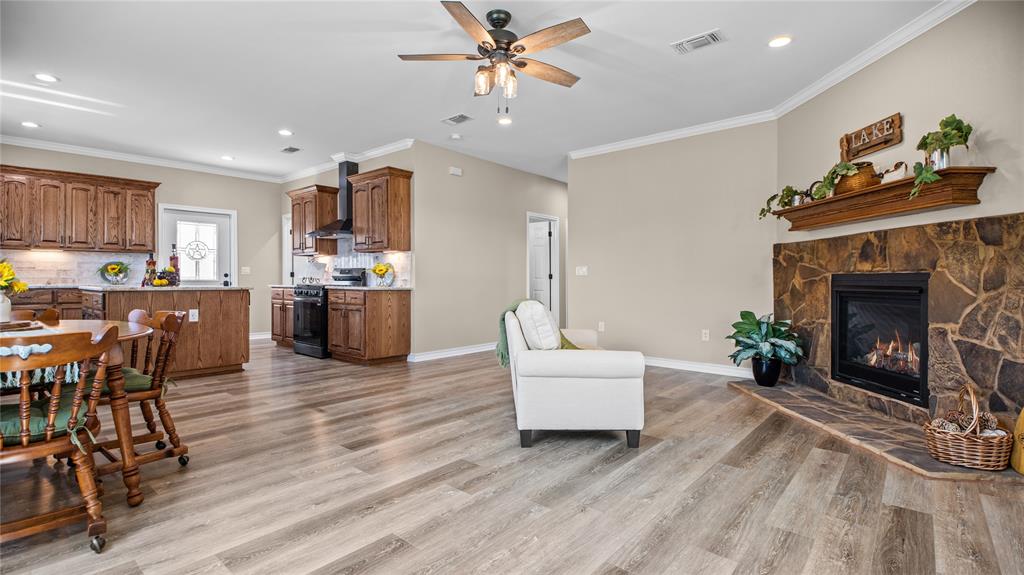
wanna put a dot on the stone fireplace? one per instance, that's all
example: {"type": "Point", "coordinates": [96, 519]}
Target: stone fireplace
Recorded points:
{"type": "Point", "coordinates": [970, 280]}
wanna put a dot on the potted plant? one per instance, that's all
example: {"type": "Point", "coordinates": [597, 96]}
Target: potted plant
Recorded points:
{"type": "Point", "coordinates": [785, 199]}
{"type": "Point", "coordinates": [9, 285]}
{"type": "Point", "coordinates": [828, 183]}
{"type": "Point", "coordinates": [952, 132]}
{"type": "Point", "coordinates": [767, 344]}
{"type": "Point", "coordinates": [114, 272]}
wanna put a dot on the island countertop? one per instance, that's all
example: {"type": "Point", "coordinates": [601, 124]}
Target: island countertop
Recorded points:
{"type": "Point", "coordinates": [113, 288]}
{"type": "Point", "coordinates": [344, 287]}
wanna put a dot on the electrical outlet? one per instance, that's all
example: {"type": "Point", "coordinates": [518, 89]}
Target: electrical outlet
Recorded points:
{"type": "Point", "coordinates": [582, 270]}
{"type": "Point", "coordinates": [455, 171]}
{"type": "Point", "coordinates": [600, 326]}
{"type": "Point", "coordinates": [193, 315]}
{"type": "Point", "coordinates": [705, 335]}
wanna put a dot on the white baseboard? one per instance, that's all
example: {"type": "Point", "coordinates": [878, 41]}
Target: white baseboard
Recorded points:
{"type": "Point", "coordinates": [714, 368]}
{"type": "Point", "coordinates": [259, 335]}
{"type": "Point", "coordinates": [450, 352]}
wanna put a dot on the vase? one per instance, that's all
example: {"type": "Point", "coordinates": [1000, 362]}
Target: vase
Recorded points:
{"type": "Point", "coordinates": [939, 159]}
{"type": "Point", "coordinates": [766, 373]}
{"type": "Point", "coordinates": [5, 308]}
{"type": "Point", "coordinates": [115, 279]}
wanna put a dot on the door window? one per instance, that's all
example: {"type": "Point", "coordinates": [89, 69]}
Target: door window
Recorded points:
{"type": "Point", "coordinates": [197, 250]}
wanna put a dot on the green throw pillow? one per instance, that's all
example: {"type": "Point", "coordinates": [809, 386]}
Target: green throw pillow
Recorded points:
{"type": "Point", "coordinates": [566, 344]}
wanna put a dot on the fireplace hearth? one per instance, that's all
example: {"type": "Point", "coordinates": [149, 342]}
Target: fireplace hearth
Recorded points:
{"type": "Point", "coordinates": [879, 333]}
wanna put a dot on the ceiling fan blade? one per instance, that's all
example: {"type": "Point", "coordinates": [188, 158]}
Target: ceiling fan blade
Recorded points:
{"type": "Point", "coordinates": [552, 36]}
{"type": "Point", "coordinates": [545, 72]}
{"type": "Point", "coordinates": [439, 57]}
{"type": "Point", "coordinates": [469, 23]}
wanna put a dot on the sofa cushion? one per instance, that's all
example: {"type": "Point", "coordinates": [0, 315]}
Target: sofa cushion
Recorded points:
{"type": "Point", "coordinates": [539, 327]}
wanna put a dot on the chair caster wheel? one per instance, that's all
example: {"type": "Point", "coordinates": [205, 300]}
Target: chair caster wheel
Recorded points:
{"type": "Point", "coordinates": [97, 543]}
{"type": "Point", "coordinates": [183, 460]}
{"type": "Point", "coordinates": [161, 445]}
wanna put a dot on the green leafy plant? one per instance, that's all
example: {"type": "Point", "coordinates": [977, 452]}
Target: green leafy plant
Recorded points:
{"type": "Point", "coordinates": [766, 339]}
{"type": "Point", "coordinates": [828, 183]}
{"type": "Point", "coordinates": [783, 199]}
{"type": "Point", "coordinates": [952, 132]}
{"type": "Point", "coordinates": [923, 174]}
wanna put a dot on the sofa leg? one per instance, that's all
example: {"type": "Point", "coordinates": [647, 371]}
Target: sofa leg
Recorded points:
{"type": "Point", "coordinates": [633, 438]}
{"type": "Point", "coordinates": [526, 438]}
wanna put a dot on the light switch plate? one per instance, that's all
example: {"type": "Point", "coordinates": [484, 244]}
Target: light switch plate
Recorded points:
{"type": "Point", "coordinates": [600, 326]}
{"type": "Point", "coordinates": [582, 270]}
{"type": "Point", "coordinates": [193, 315]}
{"type": "Point", "coordinates": [454, 171]}
{"type": "Point", "coordinates": [705, 335]}
{"type": "Point", "coordinates": [246, 270]}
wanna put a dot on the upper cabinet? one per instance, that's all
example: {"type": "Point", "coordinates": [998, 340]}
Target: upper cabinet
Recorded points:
{"type": "Point", "coordinates": [381, 206]}
{"type": "Point", "coordinates": [65, 210]}
{"type": "Point", "coordinates": [312, 207]}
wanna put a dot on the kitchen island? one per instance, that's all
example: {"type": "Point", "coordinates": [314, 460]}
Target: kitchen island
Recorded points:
{"type": "Point", "coordinates": [215, 336]}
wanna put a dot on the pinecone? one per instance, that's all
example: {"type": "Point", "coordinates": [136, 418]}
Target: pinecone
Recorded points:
{"type": "Point", "coordinates": [987, 421]}
{"type": "Point", "coordinates": [946, 425]}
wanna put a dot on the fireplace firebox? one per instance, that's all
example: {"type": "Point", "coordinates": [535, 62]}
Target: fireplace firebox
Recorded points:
{"type": "Point", "coordinates": [880, 333]}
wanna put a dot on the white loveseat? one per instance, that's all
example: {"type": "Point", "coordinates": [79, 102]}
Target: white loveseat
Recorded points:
{"type": "Point", "coordinates": [566, 389]}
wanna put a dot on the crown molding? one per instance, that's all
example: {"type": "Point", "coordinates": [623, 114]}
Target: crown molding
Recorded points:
{"type": "Point", "coordinates": [923, 23]}
{"type": "Point", "coordinates": [134, 158]}
{"type": "Point", "coordinates": [373, 152]}
{"type": "Point", "coordinates": [310, 171]}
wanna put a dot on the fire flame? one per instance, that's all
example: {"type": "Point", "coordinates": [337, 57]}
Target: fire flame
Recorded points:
{"type": "Point", "coordinates": [893, 357]}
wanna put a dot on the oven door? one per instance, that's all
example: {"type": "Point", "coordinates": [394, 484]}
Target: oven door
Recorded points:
{"type": "Point", "coordinates": [309, 320]}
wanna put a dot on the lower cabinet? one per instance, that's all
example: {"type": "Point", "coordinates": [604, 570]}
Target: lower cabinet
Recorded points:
{"type": "Point", "coordinates": [369, 325]}
{"type": "Point", "coordinates": [282, 312]}
{"type": "Point", "coordinates": [67, 301]}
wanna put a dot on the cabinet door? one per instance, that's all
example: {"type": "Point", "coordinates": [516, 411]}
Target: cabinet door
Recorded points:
{"type": "Point", "coordinates": [297, 227]}
{"type": "Point", "coordinates": [15, 206]}
{"type": "Point", "coordinates": [141, 221]}
{"type": "Point", "coordinates": [309, 222]}
{"type": "Point", "coordinates": [354, 330]}
{"type": "Point", "coordinates": [80, 216]}
{"type": "Point", "coordinates": [336, 328]}
{"type": "Point", "coordinates": [111, 219]}
{"type": "Point", "coordinates": [361, 217]}
{"type": "Point", "coordinates": [288, 321]}
{"type": "Point", "coordinates": [49, 213]}
{"type": "Point", "coordinates": [276, 311]}
{"type": "Point", "coordinates": [70, 312]}
{"type": "Point", "coordinates": [379, 214]}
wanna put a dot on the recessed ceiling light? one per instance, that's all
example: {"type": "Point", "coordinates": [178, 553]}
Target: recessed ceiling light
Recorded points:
{"type": "Point", "coordinates": [30, 124]}
{"type": "Point", "coordinates": [285, 132]}
{"type": "Point", "coordinates": [228, 158]}
{"type": "Point", "coordinates": [44, 77]}
{"type": "Point", "coordinates": [455, 136]}
{"type": "Point", "coordinates": [780, 41]}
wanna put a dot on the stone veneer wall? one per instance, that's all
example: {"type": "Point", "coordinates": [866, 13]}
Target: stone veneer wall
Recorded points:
{"type": "Point", "coordinates": [975, 307]}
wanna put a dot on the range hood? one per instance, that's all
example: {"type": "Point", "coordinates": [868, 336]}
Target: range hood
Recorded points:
{"type": "Point", "coordinates": [342, 227]}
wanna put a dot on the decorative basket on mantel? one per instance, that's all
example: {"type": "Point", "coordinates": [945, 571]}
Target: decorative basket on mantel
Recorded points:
{"type": "Point", "coordinates": [970, 448]}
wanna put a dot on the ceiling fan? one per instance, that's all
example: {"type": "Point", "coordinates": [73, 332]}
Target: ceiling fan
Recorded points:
{"type": "Point", "coordinates": [504, 50]}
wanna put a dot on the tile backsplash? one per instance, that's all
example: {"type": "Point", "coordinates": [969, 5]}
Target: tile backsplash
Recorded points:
{"type": "Point", "coordinates": [56, 267]}
{"type": "Point", "coordinates": [322, 266]}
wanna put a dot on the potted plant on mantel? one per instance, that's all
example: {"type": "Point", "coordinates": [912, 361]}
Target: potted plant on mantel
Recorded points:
{"type": "Point", "coordinates": [952, 132]}
{"type": "Point", "coordinates": [767, 344]}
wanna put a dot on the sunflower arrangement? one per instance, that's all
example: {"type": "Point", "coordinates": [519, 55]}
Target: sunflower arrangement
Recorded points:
{"type": "Point", "coordinates": [9, 282]}
{"type": "Point", "coordinates": [114, 272]}
{"type": "Point", "coordinates": [381, 270]}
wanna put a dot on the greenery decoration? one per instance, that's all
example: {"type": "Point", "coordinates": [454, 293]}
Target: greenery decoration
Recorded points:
{"type": "Point", "coordinates": [952, 132]}
{"type": "Point", "coordinates": [766, 339]}
{"type": "Point", "coordinates": [783, 199]}
{"type": "Point", "coordinates": [828, 183]}
{"type": "Point", "coordinates": [923, 174]}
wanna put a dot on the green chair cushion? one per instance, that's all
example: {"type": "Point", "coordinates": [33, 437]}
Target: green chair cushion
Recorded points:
{"type": "Point", "coordinates": [134, 380]}
{"type": "Point", "coordinates": [10, 420]}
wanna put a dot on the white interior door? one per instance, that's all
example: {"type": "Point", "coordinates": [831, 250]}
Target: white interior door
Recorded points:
{"type": "Point", "coordinates": [204, 242]}
{"type": "Point", "coordinates": [540, 263]}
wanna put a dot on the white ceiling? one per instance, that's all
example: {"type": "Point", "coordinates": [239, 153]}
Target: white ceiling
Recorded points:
{"type": "Point", "coordinates": [196, 81]}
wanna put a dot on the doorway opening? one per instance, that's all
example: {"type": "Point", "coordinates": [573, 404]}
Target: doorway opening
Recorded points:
{"type": "Point", "coordinates": [543, 267]}
{"type": "Point", "coordinates": [206, 240]}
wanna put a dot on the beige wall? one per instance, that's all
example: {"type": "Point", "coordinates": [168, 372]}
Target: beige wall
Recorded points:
{"type": "Point", "coordinates": [477, 222]}
{"type": "Point", "coordinates": [971, 65]}
{"type": "Point", "coordinates": [671, 238]}
{"type": "Point", "coordinates": [257, 204]}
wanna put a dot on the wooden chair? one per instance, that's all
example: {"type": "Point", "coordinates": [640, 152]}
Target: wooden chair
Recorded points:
{"type": "Point", "coordinates": [49, 315]}
{"type": "Point", "coordinates": [35, 429]}
{"type": "Point", "coordinates": [148, 385]}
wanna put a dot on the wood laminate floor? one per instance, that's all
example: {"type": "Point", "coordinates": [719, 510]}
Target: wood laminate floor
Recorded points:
{"type": "Point", "coordinates": [315, 466]}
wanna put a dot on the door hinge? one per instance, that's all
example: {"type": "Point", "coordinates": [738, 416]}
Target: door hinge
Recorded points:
{"type": "Point", "coordinates": [551, 276]}
{"type": "Point", "coordinates": [549, 233]}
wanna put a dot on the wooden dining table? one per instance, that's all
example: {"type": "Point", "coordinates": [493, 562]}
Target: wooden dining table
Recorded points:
{"type": "Point", "coordinates": [126, 331]}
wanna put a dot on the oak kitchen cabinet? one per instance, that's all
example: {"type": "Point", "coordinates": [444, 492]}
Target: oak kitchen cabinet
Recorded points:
{"type": "Point", "coordinates": [72, 211]}
{"type": "Point", "coordinates": [282, 312]}
{"type": "Point", "coordinates": [312, 207]}
{"type": "Point", "coordinates": [381, 210]}
{"type": "Point", "coordinates": [369, 325]}
{"type": "Point", "coordinates": [68, 301]}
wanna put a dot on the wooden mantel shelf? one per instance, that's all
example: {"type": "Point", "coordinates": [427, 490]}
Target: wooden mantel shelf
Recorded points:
{"type": "Point", "coordinates": [958, 186]}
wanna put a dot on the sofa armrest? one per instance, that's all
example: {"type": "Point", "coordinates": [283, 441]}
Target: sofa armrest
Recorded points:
{"type": "Point", "coordinates": [583, 338]}
{"type": "Point", "coordinates": [593, 364]}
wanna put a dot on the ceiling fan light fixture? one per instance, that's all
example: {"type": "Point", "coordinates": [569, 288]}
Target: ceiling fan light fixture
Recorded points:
{"type": "Point", "coordinates": [502, 69]}
{"type": "Point", "coordinates": [483, 81]}
{"type": "Point", "coordinates": [511, 86]}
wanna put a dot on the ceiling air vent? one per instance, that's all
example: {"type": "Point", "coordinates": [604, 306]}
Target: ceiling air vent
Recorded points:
{"type": "Point", "coordinates": [456, 119]}
{"type": "Point", "coordinates": [289, 150]}
{"type": "Point", "coordinates": [699, 41]}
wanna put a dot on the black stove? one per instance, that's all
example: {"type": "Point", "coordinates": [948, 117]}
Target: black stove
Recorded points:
{"type": "Point", "coordinates": [310, 320]}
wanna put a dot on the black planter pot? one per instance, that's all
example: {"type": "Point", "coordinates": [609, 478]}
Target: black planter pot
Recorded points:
{"type": "Point", "coordinates": [766, 373]}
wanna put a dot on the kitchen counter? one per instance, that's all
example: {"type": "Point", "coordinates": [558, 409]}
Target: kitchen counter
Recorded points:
{"type": "Point", "coordinates": [52, 286]}
{"type": "Point", "coordinates": [114, 288]}
{"type": "Point", "coordinates": [357, 288]}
